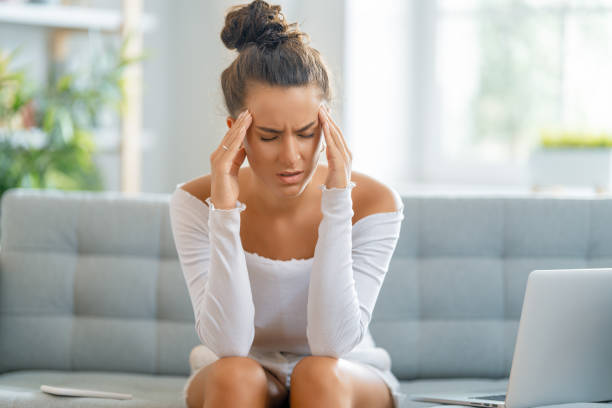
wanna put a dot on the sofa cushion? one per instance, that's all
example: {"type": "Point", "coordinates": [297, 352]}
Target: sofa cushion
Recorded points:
{"type": "Point", "coordinates": [21, 389]}
{"type": "Point", "coordinates": [91, 281]}
{"type": "Point", "coordinates": [451, 301]}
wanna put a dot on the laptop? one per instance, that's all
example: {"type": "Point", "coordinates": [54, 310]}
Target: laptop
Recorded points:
{"type": "Point", "coordinates": [563, 350]}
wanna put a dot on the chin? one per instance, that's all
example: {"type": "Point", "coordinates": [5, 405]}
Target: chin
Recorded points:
{"type": "Point", "coordinates": [292, 190]}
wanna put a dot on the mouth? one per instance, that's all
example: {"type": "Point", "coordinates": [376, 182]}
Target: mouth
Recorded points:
{"type": "Point", "coordinates": [290, 173]}
{"type": "Point", "coordinates": [290, 177]}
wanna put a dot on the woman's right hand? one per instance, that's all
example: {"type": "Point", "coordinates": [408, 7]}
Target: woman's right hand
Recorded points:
{"type": "Point", "coordinates": [225, 164]}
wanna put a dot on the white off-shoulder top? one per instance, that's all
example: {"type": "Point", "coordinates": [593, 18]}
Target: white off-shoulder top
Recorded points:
{"type": "Point", "coordinates": [319, 306]}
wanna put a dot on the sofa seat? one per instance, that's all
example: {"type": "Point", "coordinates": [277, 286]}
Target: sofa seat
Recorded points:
{"type": "Point", "coordinates": [21, 389]}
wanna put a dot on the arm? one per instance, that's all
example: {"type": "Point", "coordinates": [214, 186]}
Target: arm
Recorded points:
{"type": "Point", "coordinates": [213, 263]}
{"type": "Point", "coordinates": [347, 272]}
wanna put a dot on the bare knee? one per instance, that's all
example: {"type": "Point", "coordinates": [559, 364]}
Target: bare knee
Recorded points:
{"type": "Point", "coordinates": [235, 382]}
{"type": "Point", "coordinates": [319, 375]}
{"type": "Point", "coordinates": [236, 374]}
{"type": "Point", "coordinates": [228, 382]}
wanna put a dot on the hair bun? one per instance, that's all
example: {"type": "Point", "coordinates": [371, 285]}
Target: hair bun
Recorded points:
{"type": "Point", "coordinates": [256, 23]}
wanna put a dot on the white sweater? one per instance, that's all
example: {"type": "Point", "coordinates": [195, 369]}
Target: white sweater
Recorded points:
{"type": "Point", "coordinates": [319, 306]}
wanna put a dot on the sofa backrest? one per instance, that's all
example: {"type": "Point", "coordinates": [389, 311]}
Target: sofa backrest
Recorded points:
{"type": "Point", "coordinates": [451, 301]}
{"type": "Point", "coordinates": [92, 281]}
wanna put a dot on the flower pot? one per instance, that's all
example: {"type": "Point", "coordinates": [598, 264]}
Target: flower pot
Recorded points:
{"type": "Point", "coordinates": [572, 167]}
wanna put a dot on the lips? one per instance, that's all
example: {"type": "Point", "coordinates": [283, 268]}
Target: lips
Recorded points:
{"type": "Point", "coordinates": [289, 173]}
{"type": "Point", "coordinates": [289, 178]}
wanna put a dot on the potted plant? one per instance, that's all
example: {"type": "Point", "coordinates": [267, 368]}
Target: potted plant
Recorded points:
{"type": "Point", "coordinates": [46, 133]}
{"type": "Point", "coordinates": [572, 158]}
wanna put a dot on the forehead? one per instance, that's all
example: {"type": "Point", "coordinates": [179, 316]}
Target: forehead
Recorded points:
{"type": "Point", "coordinates": [280, 105]}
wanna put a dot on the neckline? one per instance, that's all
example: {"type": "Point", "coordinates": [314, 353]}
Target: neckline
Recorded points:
{"type": "Point", "coordinates": [292, 260]}
{"type": "Point", "coordinates": [270, 260]}
{"type": "Point", "coordinates": [367, 217]}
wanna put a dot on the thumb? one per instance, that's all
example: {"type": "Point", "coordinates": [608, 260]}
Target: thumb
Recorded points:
{"type": "Point", "coordinates": [240, 155]}
{"type": "Point", "coordinates": [238, 160]}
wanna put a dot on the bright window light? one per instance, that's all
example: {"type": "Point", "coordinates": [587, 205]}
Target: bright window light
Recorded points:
{"type": "Point", "coordinates": [506, 70]}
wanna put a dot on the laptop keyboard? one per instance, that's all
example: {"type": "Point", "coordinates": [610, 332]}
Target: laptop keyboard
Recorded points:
{"type": "Point", "coordinates": [492, 397]}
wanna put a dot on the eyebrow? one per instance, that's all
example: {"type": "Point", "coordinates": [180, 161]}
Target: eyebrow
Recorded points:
{"type": "Point", "coordinates": [280, 131]}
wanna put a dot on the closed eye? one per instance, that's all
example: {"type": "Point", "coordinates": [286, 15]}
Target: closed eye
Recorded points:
{"type": "Point", "coordinates": [303, 136]}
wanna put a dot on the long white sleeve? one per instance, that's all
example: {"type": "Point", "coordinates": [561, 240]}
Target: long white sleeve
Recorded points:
{"type": "Point", "coordinates": [347, 272]}
{"type": "Point", "coordinates": [214, 266]}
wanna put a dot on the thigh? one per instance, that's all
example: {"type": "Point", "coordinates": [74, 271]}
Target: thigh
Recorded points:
{"type": "Point", "coordinates": [194, 390]}
{"type": "Point", "coordinates": [277, 391]}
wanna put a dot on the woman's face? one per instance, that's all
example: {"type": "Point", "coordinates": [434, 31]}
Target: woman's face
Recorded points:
{"type": "Point", "coordinates": [284, 136]}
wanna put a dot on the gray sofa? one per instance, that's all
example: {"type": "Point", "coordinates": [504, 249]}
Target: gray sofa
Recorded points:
{"type": "Point", "coordinates": [92, 294]}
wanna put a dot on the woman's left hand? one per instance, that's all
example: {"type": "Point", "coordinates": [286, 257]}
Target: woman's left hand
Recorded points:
{"type": "Point", "coordinates": [339, 157]}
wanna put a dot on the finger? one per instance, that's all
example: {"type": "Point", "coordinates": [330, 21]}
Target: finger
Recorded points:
{"type": "Point", "coordinates": [337, 136]}
{"type": "Point", "coordinates": [232, 130]}
{"type": "Point", "coordinates": [238, 131]}
{"type": "Point", "coordinates": [237, 123]}
{"type": "Point", "coordinates": [237, 161]}
{"type": "Point", "coordinates": [241, 132]}
{"type": "Point", "coordinates": [326, 132]}
{"type": "Point", "coordinates": [336, 133]}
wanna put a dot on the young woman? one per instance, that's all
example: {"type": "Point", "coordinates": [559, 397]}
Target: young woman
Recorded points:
{"type": "Point", "coordinates": [284, 259]}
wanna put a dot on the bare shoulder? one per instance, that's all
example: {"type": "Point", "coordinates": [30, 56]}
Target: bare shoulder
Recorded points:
{"type": "Point", "coordinates": [371, 196]}
{"type": "Point", "coordinates": [199, 187]}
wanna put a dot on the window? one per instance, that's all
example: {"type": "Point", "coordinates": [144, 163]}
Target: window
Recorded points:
{"type": "Point", "coordinates": [506, 70]}
{"type": "Point", "coordinates": [376, 92]}
{"type": "Point", "coordinates": [478, 80]}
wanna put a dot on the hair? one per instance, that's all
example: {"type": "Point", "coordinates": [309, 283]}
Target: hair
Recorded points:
{"type": "Point", "coordinates": [270, 51]}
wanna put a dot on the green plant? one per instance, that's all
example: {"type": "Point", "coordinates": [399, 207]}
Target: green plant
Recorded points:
{"type": "Point", "coordinates": [14, 96]}
{"type": "Point", "coordinates": [575, 139]}
{"type": "Point", "coordinates": [46, 136]}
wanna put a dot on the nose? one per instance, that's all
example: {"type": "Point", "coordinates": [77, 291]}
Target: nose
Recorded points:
{"type": "Point", "coordinates": [289, 150]}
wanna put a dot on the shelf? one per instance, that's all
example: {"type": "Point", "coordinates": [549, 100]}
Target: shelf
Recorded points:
{"type": "Point", "coordinates": [67, 17]}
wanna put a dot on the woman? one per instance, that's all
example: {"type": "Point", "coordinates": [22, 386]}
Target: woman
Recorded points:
{"type": "Point", "coordinates": [283, 259]}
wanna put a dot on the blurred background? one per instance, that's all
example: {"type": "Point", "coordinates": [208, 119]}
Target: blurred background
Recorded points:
{"type": "Point", "coordinates": [452, 94]}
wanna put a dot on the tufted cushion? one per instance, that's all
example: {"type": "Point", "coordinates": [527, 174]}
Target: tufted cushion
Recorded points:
{"type": "Point", "coordinates": [91, 281]}
{"type": "Point", "coordinates": [452, 299]}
